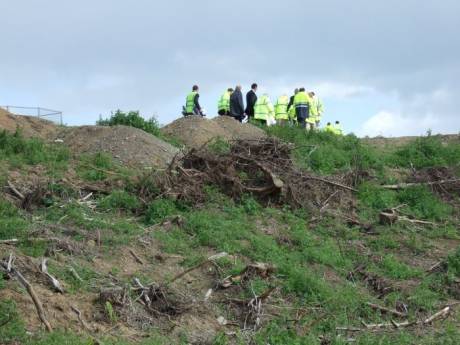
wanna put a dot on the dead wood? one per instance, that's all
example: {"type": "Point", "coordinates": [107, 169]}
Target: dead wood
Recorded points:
{"type": "Point", "coordinates": [208, 260]}
{"type": "Point", "coordinates": [258, 269]}
{"type": "Point", "coordinates": [442, 314]}
{"type": "Point", "coordinates": [15, 191]}
{"type": "Point", "coordinates": [391, 216]}
{"type": "Point", "coordinates": [136, 257]}
{"type": "Point", "coordinates": [262, 168]}
{"type": "Point", "coordinates": [408, 185]}
{"type": "Point", "coordinates": [54, 282]}
{"type": "Point", "coordinates": [386, 310]}
{"type": "Point", "coordinates": [12, 241]}
{"type": "Point", "coordinates": [9, 268]}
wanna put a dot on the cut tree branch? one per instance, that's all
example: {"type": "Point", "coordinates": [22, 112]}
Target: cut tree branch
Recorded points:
{"type": "Point", "coordinates": [8, 267]}
{"type": "Point", "coordinates": [408, 185]}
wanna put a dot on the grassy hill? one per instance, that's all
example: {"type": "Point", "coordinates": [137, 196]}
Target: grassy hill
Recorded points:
{"type": "Point", "coordinates": [363, 249]}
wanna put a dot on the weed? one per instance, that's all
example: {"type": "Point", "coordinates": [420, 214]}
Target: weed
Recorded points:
{"type": "Point", "coordinates": [110, 312]}
{"type": "Point", "coordinates": [12, 224]}
{"type": "Point", "coordinates": [19, 150]}
{"type": "Point", "coordinates": [159, 210]}
{"type": "Point", "coordinates": [11, 326]}
{"type": "Point", "coordinates": [119, 200]}
{"type": "Point", "coordinates": [426, 151]}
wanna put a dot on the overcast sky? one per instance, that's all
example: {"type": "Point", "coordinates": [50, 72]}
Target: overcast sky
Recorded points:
{"type": "Point", "coordinates": [381, 67]}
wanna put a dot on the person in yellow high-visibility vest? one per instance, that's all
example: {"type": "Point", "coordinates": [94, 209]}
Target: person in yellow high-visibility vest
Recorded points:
{"type": "Point", "coordinates": [317, 110]}
{"type": "Point", "coordinates": [338, 128]}
{"type": "Point", "coordinates": [281, 110]}
{"type": "Point", "coordinates": [302, 104]}
{"type": "Point", "coordinates": [329, 128]}
{"type": "Point", "coordinates": [192, 104]}
{"type": "Point", "coordinates": [264, 111]}
{"type": "Point", "coordinates": [223, 106]}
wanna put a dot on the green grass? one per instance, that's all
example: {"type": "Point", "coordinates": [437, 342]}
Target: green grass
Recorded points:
{"type": "Point", "coordinates": [424, 152]}
{"type": "Point", "coordinates": [19, 151]}
{"type": "Point", "coordinates": [327, 153]}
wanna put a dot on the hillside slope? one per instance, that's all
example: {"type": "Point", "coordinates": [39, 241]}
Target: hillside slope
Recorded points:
{"type": "Point", "coordinates": [298, 238]}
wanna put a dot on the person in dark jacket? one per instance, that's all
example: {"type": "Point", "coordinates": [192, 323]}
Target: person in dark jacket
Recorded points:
{"type": "Point", "coordinates": [251, 99]}
{"type": "Point", "coordinates": [291, 100]}
{"type": "Point", "coordinates": [237, 104]}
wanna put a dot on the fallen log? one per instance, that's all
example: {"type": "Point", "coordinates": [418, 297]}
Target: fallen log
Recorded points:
{"type": "Point", "coordinates": [408, 185]}
{"type": "Point", "coordinates": [398, 325]}
{"type": "Point", "coordinates": [8, 267]}
{"type": "Point", "coordinates": [12, 241]}
{"type": "Point", "coordinates": [386, 310]}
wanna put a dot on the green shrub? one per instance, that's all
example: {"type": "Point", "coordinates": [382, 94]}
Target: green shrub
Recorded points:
{"type": "Point", "coordinates": [95, 167]}
{"type": "Point", "coordinates": [119, 200]}
{"type": "Point", "coordinates": [427, 151]}
{"type": "Point", "coordinates": [11, 326]}
{"type": "Point", "coordinates": [159, 210]}
{"type": "Point", "coordinates": [327, 153]}
{"type": "Point", "coordinates": [376, 198]}
{"type": "Point", "coordinates": [133, 119]}
{"type": "Point", "coordinates": [423, 203]}
{"type": "Point", "coordinates": [12, 225]}
{"type": "Point", "coordinates": [453, 263]}
{"type": "Point", "coordinates": [398, 270]}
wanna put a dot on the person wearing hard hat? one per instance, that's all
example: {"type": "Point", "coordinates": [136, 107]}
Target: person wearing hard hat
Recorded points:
{"type": "Point", "coordinates": [281, 110]}
{"type": "Point", "coordinates": [264, 111]}
{"type": "Point", "coordinates": [192, 104]}
{"type": "Point", "coordinates": [302, 104]}
{"type": "Point", "coordinates": [223, 106]}
{"type": "Point", "coordinates": [338, 128]}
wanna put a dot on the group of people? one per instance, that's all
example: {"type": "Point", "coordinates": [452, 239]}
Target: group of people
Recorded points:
{"type": "Point", "coordinates": [303, 108]}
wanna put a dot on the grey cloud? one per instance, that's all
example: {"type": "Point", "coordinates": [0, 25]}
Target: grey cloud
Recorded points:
{"type": "Point", "coordinates": [94, 56]}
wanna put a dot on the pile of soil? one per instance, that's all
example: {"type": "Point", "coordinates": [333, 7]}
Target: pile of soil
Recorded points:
{"type": "Point", "coordinates": [128, 145]}
{"type": "Point", "coordinates": [30, 126]}
{"type": "Point", "coordinates": [239, 131]}
{"type": "Point", "coordinates": [196, 131]}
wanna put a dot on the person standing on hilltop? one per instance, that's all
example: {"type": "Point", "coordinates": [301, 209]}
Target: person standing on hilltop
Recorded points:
{"type": "Point", "coordinates": [251, 99]}
{"type": "Point", "coordinates": [223, 105]}
{"type": "Point", "coordinates": [281, 110]}
{"type": "Point", "coordinates": [237, 104]}
{"type": "Point", "coordinates": [302, 104]}
{"type": "Point", "coordinates": [192, 103]}
{"type": "Point", "coordinates": [317, 109]}
{"type": "Point", "coordinates": [264, 112]}
{"type": "Point", "coordinates": [291, 108]}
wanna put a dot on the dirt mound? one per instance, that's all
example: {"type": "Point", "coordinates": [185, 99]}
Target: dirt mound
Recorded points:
{"type": "Point", "coordinates": [195, 131]}
{"type": "Point", "coordinates": [239, 131]}
{"type": "Point", "coordinates": [29, 125]}
{"type": "Point", "coordinates": [130, 146]}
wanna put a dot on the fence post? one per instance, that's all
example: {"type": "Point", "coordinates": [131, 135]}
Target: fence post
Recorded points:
{"type": "Point", "coordinates": [38, 112]}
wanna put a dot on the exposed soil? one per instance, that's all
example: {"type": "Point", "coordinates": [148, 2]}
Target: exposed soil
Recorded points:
{"type": "Point", "coordinates": [129, 146]}
{"type": "Point", "coordinates": [239, 131]}
{"type": "Point", "coordinates": [196, 131]}
{"type": "Point", "coordinates": [30, 126]}
{"type": "Point", "coordinates": [382, 142]}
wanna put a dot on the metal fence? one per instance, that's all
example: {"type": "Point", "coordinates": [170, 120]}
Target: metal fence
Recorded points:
{"type": "Point", "coordinates": [48, 114]}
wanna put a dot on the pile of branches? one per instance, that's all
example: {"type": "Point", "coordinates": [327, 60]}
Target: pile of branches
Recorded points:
{"type": "Point", "coordinates": [262, 168]}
